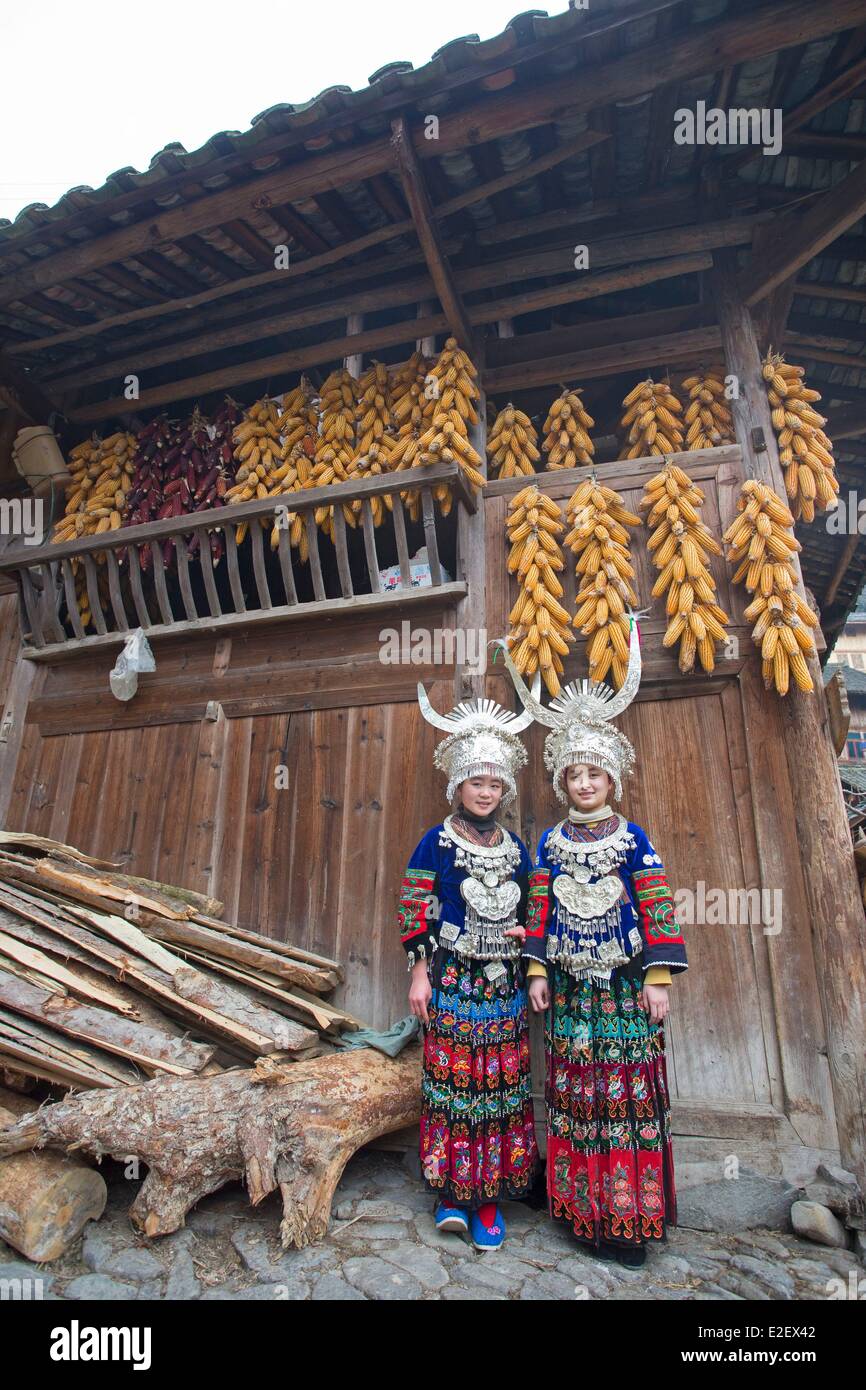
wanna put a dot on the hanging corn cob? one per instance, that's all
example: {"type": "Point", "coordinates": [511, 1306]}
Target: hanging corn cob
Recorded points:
{"type": "Point", "coordinates": [450, 394]}
{"type": "Point", "coordinates": [651, 417]}
{"type": "Point", "coordinates": [599, 539]}
{"type": "Point", "coordinates": [678, 545]}
{"type": "Point", "coordinates": [762, 546]}
{"type": "Point", "coordinates": [707, 416]}
{"type": "Point", "coordinates": [335, 449]}
{"type": "Point", "coordinates": [512, 444]}
{"type": "Point", "coordinates": [298, 423]}
{"type": "Point", "coordinates": [567, 441]}
{"type": "Point", "coordinates": [375, 436]}
{"type": "Point", "coordinates": [258, 452]}
{"type": "Point", "coordinates": [805, 451]}
{"type": "Point", "coordinates": [96, 498]}
{"type": "Point", "coordinates": [540, 631]}
{"type": "Point", "coordinates": [410, 406]}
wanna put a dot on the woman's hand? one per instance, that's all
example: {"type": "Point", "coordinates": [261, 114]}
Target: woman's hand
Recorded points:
{"type": "Point", "coordinates": [654, 999]}
{"type": "Point", "coordinates": [539, 994]}
{"type": "Point", "coordinates": [420, 992]}
{"type": "Point", "coordinates": [518, 931]}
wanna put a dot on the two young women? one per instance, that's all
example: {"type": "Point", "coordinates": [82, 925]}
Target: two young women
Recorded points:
{"type": "Point", "coordinates": [586, 935]}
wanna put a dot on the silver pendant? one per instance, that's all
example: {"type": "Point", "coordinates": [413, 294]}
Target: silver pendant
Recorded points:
{"type": "Point", "coordinates": [491, 879]}
{"type": "Point", "coordinates": [495, 970]}
{"type": "Point", "coordinates": [492, 904]}
{"type": "Point", "coordinates": [582, 899]}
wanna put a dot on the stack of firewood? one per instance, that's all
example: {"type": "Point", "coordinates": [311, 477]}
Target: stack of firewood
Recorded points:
{"type": "Point", "coordinates": [107, 979]}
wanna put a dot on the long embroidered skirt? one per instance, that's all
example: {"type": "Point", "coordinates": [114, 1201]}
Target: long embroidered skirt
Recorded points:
{"type": "Point", "coordinates": [610, 1170]}
{"type": "Point", "coordinates": [477, 1124]}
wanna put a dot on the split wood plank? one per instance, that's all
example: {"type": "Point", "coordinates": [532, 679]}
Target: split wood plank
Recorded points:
{"type": "Point", "coordinates": [135, 1041]}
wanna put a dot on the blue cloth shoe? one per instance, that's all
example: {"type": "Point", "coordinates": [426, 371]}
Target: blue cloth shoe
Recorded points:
{"type": "Point", "coordinates": [487, 1237]}
{"type": "Point", "coordinates": [451, 1218]}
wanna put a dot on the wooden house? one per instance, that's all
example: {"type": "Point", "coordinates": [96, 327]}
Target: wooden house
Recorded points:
{"type": "Point", "coordinates": [457, 198]}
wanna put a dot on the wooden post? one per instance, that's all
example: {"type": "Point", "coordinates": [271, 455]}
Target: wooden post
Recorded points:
{"type": "Point", "coordinates": [820, 820]}
{"type": "Point", "coordinates": [471, 560]}
{"type": "Point", "coordinates": [355, 361]}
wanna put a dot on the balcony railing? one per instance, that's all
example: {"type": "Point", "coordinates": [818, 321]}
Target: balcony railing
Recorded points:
{"type": "Point", "coordinates": [49, 614]}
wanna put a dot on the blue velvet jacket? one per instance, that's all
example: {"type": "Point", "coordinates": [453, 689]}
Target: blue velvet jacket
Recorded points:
{"type": "Point", "coordinates": [430, 891]}
{"type": "Point", "coordinates": [647, 906]}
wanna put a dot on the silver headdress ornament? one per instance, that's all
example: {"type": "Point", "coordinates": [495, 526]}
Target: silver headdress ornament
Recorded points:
{"type": "Point", "coordinates": [482, 741]}
{"type": "Point", "coordinates": [579, 720]}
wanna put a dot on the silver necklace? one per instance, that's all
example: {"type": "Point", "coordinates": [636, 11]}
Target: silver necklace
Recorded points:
{"type": "Point", "coordinates": [491, 895]}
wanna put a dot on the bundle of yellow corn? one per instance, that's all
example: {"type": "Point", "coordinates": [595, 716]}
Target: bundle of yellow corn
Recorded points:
{"type": "Point", "coordinates": [651, 417]}
{"type": "Point", "coordinates": [295, 479]}
{"type": "Point", "coordinates": [298, 423]}
{"type": "Point", "coordinates": [512, 444]}
{"type": "Point", "coordinates": [408, 400]}
{"type": "Point", "coordinates": [376, 437]}
{"type": "Point", "coordinates": [566, 432]}
{"type": "Point", "coordinates": [678, 545]}
{"type": "Point", "coordinates": [258, 451]}
{"type": "Point", "coordinates": [101, 479]}
{"type": "Point", "coordinates": [762, 545]}
{"type": "Point", "coordinates": [451, 392]}
{"type": "Point", "coordinates": [805, 451]}
{"type": "Point", "coordinates": [540, 633]}
{"type": "Point", "coordinates": [708, 415]}
{"type": "Point", "coordinates": [335, 449]}
{"type": "Point", "coordinates": [598, 537]}
{"type": "Point", "coordinates": [411, 406]}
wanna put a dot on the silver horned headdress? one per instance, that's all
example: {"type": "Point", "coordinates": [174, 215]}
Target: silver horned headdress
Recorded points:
{"type": "Point", "coordinates": [482, 742]}
{"type": "Point", "coordinates": [579, 721]}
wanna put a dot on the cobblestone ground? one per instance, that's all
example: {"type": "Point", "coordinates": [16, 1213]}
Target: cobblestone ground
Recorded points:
{"type": "Point", "coordinates": [382, 1245]}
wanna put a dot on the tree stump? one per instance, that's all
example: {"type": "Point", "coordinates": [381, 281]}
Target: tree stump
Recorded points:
{"type": "Point", "coordinates": [289, 1126]}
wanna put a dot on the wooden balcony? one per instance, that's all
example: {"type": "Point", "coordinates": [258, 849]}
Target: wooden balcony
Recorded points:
{"type": "Point", "coordinates": [141, 585]}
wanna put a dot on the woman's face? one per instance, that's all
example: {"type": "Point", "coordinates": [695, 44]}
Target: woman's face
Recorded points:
{"type": "Point", "coordinates": [587, 786]}
{"type": "Point", "coordinates": [481, 795]}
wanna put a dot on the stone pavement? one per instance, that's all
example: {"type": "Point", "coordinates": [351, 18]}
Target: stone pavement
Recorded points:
{"type": "Point", "coordinates": [382, 1245]}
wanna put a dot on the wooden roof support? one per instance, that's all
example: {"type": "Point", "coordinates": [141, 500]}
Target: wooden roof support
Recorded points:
{"type": "Point", "coordinates": [392, 335]}
{"type": "Point", "coordinates": [700, 49]}
{"type": "Point", "coordinates": [428, 233]}
{"type": "Point", "coordinates": [330, 255]}
{"type": "Point", "coordinates": [793, 242]}
{"type": "Point", "coordinates": [826, 951]}
{"type": "Point", "coordinates": [849, 423]}
{"type": "Point", "coordinates": [26, 394]}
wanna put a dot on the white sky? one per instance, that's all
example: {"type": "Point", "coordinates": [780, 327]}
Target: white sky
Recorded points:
{"type": "Point", "coordinates": [92, 86]}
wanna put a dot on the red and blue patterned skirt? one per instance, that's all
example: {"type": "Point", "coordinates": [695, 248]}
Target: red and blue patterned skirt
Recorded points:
{"type": "Point", "coordinates": [477, 1124]}
{"type": "Point", "coordinates": [610, 1171]}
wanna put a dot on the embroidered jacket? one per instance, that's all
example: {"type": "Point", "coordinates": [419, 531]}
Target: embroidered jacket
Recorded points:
{"type": "Point", "coordinates": [430, 894]}
{"type": "Point", "coordinates": [647, 904]}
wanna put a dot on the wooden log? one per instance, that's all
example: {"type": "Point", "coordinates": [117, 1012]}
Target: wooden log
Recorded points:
{"type": "Point", "coordinates": [229, 948]}
{"type": "Point", "coordinates": [281, 1034]}
{"type": "Point", "coordinates": [135, 1041]}
{"type": "Point", "coordinates": [45, 1200]}
{"type": "Point", "coordinates": [292, 1127]}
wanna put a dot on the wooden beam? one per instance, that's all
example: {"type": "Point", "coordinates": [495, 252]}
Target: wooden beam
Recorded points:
{"type": "Point", "coordinates": [849, 423]}
{"type": "Point", "coordinates": [418, 200]}
{"type": "Point", "coordinates": [640, 354]}
{"type": "Point", "coordinates": [247, 283]}
{"type": "Point", "coordinates": [793, 242]}
{"type": "Point", "coordinates": [838, 87]}
{"type": "Point", "coordinates": [392, 335]}
{"type": "Point", "coordinates": [701, 49]}
{"type": "Point", "coordinates": [581, 287]}
{"type": "Point", "coordinates": [851, 294]}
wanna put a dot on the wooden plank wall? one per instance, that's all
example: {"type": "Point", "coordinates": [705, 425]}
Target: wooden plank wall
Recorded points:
{"type": "Point", "coordinates": [189, 798]}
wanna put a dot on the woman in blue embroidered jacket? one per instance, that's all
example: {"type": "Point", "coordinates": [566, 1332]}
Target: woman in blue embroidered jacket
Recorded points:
{"type": "Point", "coordinates": [462, 903]}
{"type": "Point", "coordinates": [602, 944]}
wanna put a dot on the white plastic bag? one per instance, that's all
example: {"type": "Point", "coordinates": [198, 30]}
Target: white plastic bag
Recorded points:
{"type": "Point", "coordinates": [136, 656]}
